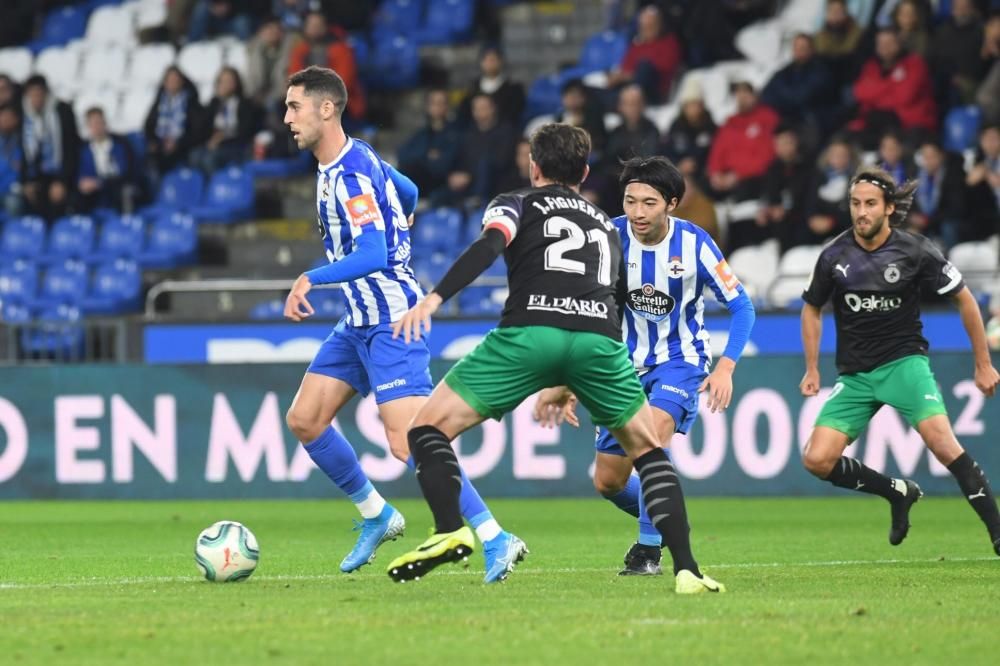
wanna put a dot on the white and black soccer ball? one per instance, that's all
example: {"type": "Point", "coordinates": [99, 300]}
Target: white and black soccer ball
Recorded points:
{"type": "Point", "coordinates": [226, 552]}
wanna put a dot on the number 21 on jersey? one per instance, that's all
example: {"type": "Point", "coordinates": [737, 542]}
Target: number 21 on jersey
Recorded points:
{"type": "Point", "coordinates": [556, 227]}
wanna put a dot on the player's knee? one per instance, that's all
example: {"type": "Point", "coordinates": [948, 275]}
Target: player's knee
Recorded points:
{"type": "Point", "coordinates": [304, 429]}
{"type": "Point", "coordinates": [607, 483]}
{"type": "Point", "coordinates": [816, 462]}
{"type": "Point", "coordinates": [399, 448]}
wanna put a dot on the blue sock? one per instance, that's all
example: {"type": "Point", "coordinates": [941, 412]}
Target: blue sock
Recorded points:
{"type": "Point", "coordinates": [334, 455]}
{"type": "Point", "coordinates": [627, 499]}
{"type": "Point", "coordinates": [648, 535]}
{"type": "Point", "coordinates": [470, 503]}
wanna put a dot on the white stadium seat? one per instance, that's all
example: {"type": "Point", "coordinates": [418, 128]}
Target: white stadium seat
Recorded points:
{"type": "Point", "coordinates": [663, 115]}
{"type": "Point", "coordinates": [149, 62]}
{"type": "Point", "coordinates": [151, 14]}
{"type": "Point", "coordinates": [132, 111]}
{"type": "Point", "coordinates": [761, 41]}
{"type": "Point", "coordinates": [200, 61]}
{"type": "Point", "coordinates": [105, 67]}
{"type": "Point", "coordinates": [59, 66]}
{"type": "Point", "coordinates": [111, 24]}
{"type": "Point", "coordinates": [236, 57]}
{"type": "Point", "coordinates": [756, 266]}
{"type": "Point", "coordinates": [15, 62]}
{"type": "Point", "coordinates": [978, 263]}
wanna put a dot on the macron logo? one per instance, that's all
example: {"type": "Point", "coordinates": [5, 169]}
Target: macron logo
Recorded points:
{"type": "Point", "coordinates": [390, 385]}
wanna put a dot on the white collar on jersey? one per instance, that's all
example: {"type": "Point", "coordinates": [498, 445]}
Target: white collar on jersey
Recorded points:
{"type": "Point", "coordinates": [347, 146]}
{"type": "Point", "coordinates": [671, 224]}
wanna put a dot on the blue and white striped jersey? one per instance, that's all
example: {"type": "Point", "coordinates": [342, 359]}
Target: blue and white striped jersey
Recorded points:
{"type": "Point", "coordinates": [664, 307]}
{"type": "Point", "coordinates": [354, 196]}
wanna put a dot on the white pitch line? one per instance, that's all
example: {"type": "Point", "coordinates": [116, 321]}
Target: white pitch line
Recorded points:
{"type": "Point", "coordinates": [148, 580]}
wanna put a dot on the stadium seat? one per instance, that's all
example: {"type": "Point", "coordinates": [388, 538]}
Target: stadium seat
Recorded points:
{"type": "Point", "coordinates": [756, 266]}
{"type": "Point", "coordinates": [18, 281]}
{"type": "Point", "coordinates": [280, 167]}
{"type": "Point", "coordinates": [399, 16]}
{"type": "Point", "coordinates": [173, 241]}
{"type": "Point", "coordinates": [150, 14]}
{"type": "Point", "coordinates": [961, 128]}
{"type": "Point", "coordinates": [430, 268]}
{"type": "Point", "coordinates": [65, 282]}
{"type": "Point", "coordinates": [328, 303]}
{"type": "Point", "coordinates": [544, 96]}
{"type": "Point", "coordinates": [23, 237]}
{"type": "Point", "coordinates": [794, 269]}
{"type": "Point", "coordinates": [761, 41]}
{"type": "Point", "coordinates": [12, 313]}
{"type": "Point", "coordinates": [437, 230]}
{"type": "Point", "coordinates": [201, 61]}
{"type": "Point", "coordinates": [446, 22]}
{"type": "Point", "coordinates": [600, 53]}
{"type": "Point", "coordinates": [180, 190]}
{"type": "Point", "coordinates": [978, 262]}
{"type": "Point", "coordinates": [71, 237]}
{"type": "Point", "coordinates": [115, 288]}
{"type": "Point", "coordinates": [58, 334]}
{"type": "Point", "coordinates": [15, 62]}
{"type": "Point", "coordinates": [111, 24]}
{"type": "Point", "coordinates": [237, 58]}
{"type": "Point", "coordinates": [121, 236]}
{"type": "Point", "coordinates": [395, 63]}
{"type": "Point", "coordinates": [478, 301]}
{"type": "Point", "coordinates": [270, 310]}
{"type": "Point", "coordinates": [362, 50]}
{"type": "Point", "coordinates": [229, 197]}
{"type": "Point", "coordinates": [132, 111]}
{"type": "Point", "coordinates": [59, 27]}
{"type": "Point", "coordinates": [149, 62]}
{"type": "Point", "coordinates": [59, 66]}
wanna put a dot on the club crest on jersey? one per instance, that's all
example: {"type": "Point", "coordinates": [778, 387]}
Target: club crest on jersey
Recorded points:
{"type": "Point", "coordinates": [362, 209]}
{"type": "Point", "coordinates": [891, 274]}
{"type": "Point", "coordinates": [324, 193]}
{"type": "Point", "coordinates": [675, 268]}
{"type": "Point", "coordinates": [649, 303]}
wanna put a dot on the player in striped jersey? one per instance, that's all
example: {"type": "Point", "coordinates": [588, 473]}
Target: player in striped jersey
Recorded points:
{"type": "Point", "coordinates": [366, 234]}
{"type": "Point", "coordinates": [668, 263]}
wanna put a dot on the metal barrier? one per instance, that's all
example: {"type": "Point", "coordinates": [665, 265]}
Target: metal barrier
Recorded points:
{"type": "Point", "coordinates": [42, 342]}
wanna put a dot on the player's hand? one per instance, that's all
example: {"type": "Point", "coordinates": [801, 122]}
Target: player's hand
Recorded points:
{"type": "Point", "coordinates": [719, 385]}
{"type": "Point", "coordinates": [297, 307]}
{"type": "Point", "coordinates": [417, 319]}
{"type": "Point", "coordinates": [809, 385]}
{"type": "Point", "coordinates": [987, 378]}
{"type": "Point", "coordinates": [555, 405]}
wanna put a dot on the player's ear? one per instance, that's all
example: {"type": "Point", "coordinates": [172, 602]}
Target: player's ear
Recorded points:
{"type": "Point", "coordinates": [672, 204]}
{"type": "Point", "coordinates": [586, 172]}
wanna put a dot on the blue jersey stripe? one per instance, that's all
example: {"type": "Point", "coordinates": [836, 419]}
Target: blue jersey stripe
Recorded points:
{"type": "Point", "coordinates": [690, 313]}
{"type": "Point", "coordinates": [676, 291]}
{"type": "Point", "coordinates": [649, 277]}
{"type": "Point", "coordinates": [380, 300]}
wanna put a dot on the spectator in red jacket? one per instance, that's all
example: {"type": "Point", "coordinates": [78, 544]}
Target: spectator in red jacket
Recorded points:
{"type": "Point", "coordinates": [327, 47]}
{"type": "Point", "coordinates": [652, 57]}
{"type": "Point", "coordinates": [743, 147]}
{"type": "Point", "coordinates": [893, 90]}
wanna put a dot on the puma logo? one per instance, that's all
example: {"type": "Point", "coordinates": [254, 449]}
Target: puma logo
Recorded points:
{"type": "Point", "coordinates": [981, 493]}
{"type": "Point", "coordinates": [842, 269]}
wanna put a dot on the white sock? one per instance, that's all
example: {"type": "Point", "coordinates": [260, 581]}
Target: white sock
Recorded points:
{"type": "Point", "coordinates": [371, 506]}
{"type": "Point", "coordinates": [487, 530]}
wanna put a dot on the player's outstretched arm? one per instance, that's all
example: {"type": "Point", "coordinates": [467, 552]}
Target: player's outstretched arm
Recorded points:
{"type": "Point", "coordinates": [297, 306]}
{"type": "Point", "coordinates": [812, 330]}
{"type": "Point", "coordinates": [555, 405]}
{"type": "Point", "coordinates": [986, 376]}
{"type": "Point", "coordinates": [417, 319]}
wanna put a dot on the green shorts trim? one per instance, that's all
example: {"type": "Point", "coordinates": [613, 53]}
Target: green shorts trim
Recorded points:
{"type": "Point", "coordinates": [906, 384]}
{"type": "Point", "coordinates": [515, 362]}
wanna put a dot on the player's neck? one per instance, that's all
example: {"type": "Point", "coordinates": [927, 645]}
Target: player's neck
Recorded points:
{"type": "Point", "coordinates": [330, 145]}
{"type": "Point", "coordinates": [543, 182]}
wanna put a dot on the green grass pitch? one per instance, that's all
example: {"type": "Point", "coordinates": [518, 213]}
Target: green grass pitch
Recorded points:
{"type": "Point", "coordinates": [810, 581]}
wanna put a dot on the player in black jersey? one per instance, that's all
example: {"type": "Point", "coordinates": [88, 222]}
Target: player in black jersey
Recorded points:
{"type": "Point", "coordinates": [559, 327]}
{"type": "Point", "coordinates": [875, 275]}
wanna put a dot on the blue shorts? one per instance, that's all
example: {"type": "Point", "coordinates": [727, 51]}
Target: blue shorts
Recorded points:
{"type": "Point", "coordinates": [670, 387]}
{"type": "Point", "coordinates": [367, 357]}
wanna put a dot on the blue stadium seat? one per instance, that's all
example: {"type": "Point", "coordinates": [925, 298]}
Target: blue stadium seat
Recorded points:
{"type": "Point", "coordinates": [498, 269]}
{"type": "Point", "coordinates": [447, 22]}
{"type": "Point", "coordinates": [230, 197]}
{"type": "Point", "coordinates": [270, 310]}
{"type": "Point", "coordinates": [18, 282]}
{"type": "Point", "coordinates": [961, 128]}
{"type": "Point", "coordinates": [436, 230]}
{"type": "Point", "coordinates": [180, 190]}
{"type": "Point", "coordinates": [395, 63]}
{"type": "Point", "coordinates": [328, 303]}
{"type": "Point", "coordinates": [430, 268]}
{"type": "Point", "coordinates": [58, 333]}
{"type": "Point", "coordinates": [121, 236]}
{"type": "Point", "coordinates": [115, 288]}
{"type": "Point", "coordinates": [23, 237]}
{"type": "Point", "coordinates": [14, 313]}
{"type": "Point", "coordinates": [473, 226]}
{"type": "Point", "coordinates": [600, 53]}
{"type": "Point", "coordinates": [59, 27]}
{"type": "Point", "coordinates": [71, 237]}
{"type": "Point", "coordinates": [478, 301]}
{"type": "Point", "coordinates": [358, 41]}
{"type": "Point", "coordinates": [281, 167]}
{"type": "Point", "coordinates": [173, 241]}
{"type": "Point", "coordinates": [64, 283]}
{"type": "Point", "coordinates": [398, 16]}
{"type": "Point", "coordinates": [544, 96]}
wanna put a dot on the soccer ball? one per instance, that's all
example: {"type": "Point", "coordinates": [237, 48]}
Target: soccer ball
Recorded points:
{"type": "Point", "coordinates": [227, 551]}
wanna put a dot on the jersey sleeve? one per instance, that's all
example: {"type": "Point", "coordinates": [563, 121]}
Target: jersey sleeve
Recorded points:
{"type": "Point", "coordinates": [820, 286]}
{"type": "Point", "coordinates": [937, 274]}
{"type": "Point", "coordinates": [504, 213]}
{"type": "Point", "coordinates": [358, 196]}
{"type": "Point", "coordinates": [717, 273]}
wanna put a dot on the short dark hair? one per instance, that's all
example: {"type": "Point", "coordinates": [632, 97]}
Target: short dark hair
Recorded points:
{"type": "Point", "coordinates": [321, 82]}
{"type": "Point", "coordinates": [573, 84]}
{"type": "Point", "coordinates": [658, 172]}
{"type": "Point", "coordinates": [94, 110]}
{"type": "Point", "coordinates": [36, 80]}
{"type": "Point", "coordinates": [561, 152]}
{"type": "Point", "coordinates": [900, 196]}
